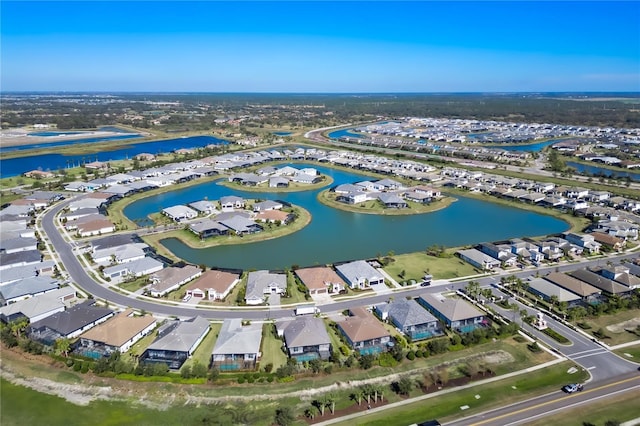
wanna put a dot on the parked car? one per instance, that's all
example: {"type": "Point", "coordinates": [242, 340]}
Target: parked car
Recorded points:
{"type": "Point", "coordinates": [573, 387]}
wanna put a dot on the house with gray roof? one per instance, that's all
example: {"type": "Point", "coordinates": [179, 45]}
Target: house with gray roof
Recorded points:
{"type": "Point", "coordinates": [262, 283]}
{"type": "Point", "coordinates": [136, 268]}
{"type": "Point", "coordinates": [21, 258]}
{"type": "Point", "coordinates": [171, 278]}
{"type": "Point", "coordinates": [39, 307]}
{"type": "Point", "coordinates": [208, 228]}
{"type": "Point", "coordinates": [548, 291]}
{"type": "Point", "coordinates": [25, 288]}
{"type": "Point", "coordinates": [278, 182]}
{"type": "Point", "coordinates": [359, 274]}
{"type": "Point", "coordinates": [623, 275]}
{"type": "Point", "coordinates": [70, 323]}
{"type": "Point", "coordinates": [608, 286]}
{"type": "Point", "coordinates": [479, 259]}
{"type": "Point", "coordinates": [410, 318]}
{"type": "Point", "coordinates": [267, 205]}
{"type": "Point", "coordinates": [18, 273]}
{"type": "Point", "coordinates": [18, 244]}
{"type": "Point", "coordinates": [456, 313]}
{"type": "Point", "coordinates": [180, 213]}
{"type": "Point", "coordinates": [176, 342]}
{"type": "Point", "coordinates": [392, 201]}
{"type": "Point", "coordinates": [307, 338]}
{"type": "Point", "coordinates": [237, 346]}
{"type": "Point", "coordinates": [120, 254]}
{"type": "Point", "coordinates": [203, 206]}
{"type": "Point", "coordinates": [239, 225]}
{"type": "Point", "coordinates": [231, 202]}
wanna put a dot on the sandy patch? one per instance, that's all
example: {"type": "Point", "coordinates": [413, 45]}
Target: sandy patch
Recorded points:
{"type": "Point", "coordinates": [621, 327]}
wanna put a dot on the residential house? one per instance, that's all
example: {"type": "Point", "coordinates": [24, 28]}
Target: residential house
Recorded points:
{"type": "Point", "coordinates": [18, 273]}
{"type": "Point", "coordinates": [549, 292]}
{"type": "Point", "coordinates": [608, 286]}
{"type": "Point", "coordinates": [120, 254]}
{"type": "Point", "coordinates": [171, 278]}
{"type": "Point", "coordinates": [306, 338]}
{"type": "Point", "coordinates": [586, 241]}
{"type": "Point", "coordinates": [274, 216]}
{"type": "Point", "coordinates": [119, 334]}
{"type": "Point", "coordinates": [410, 318]}
{"type": "Point", "coordinates": [213, 285]}
{"type": "Point", "coordinates": [176, 342]}
{"type": "Point", "coordinates": [237, 347]}
{"type": "Point", "coordinates": [456, 313]}
{"type": "Point", "coordinates": [392, 201]}
{"type": "Point", "coordinates": [39, 307]}
{"type": "Point", "coordinates": [203, 207]}
{"type": "Point", "coordinates": [240, 225]}
{"type": "Point", "coordinates": [180, 213]}
{"type": "Point", "coordinates": [503, 254]}
{"type": "Point", "coordinates": [320, 280]}
{"type": "Point", "coordinates": [21, 258]}
{"type": "Point", "coordinates": [622, 275]}
{"type": "Point", "coordinates": [260, 284]}
{"type": "Point", "coordinates": [587, 292]}
{"type": "Point", "coordinates": [364, 333]}
{"type": "Point", "coordinates": [208, 228]}
{"type": "Point", "coordinates": [136, 268]}
{"type": "Point", "coordinates": [231, 202]}
{"type": "Point", "coordinates": [609, 241]}
{"type": "Point", "coordinates": [70, 323]}
{"type": "Point", "coordinates": [267, 205]}
{"type": "Point", "coordinates": [478, 259]}
{"type": "Point", "coordinates": [25, 288]}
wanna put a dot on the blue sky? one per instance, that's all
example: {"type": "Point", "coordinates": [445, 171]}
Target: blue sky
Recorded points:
{"type": "Point", "coordinates": [322, 46]}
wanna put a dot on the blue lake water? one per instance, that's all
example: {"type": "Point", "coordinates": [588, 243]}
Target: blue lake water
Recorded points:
{"type": "Point", "coordinates": [601, 171]}
{"type": "Point", "coordinates": [334, 235]}
{"type": "Point", "coordinates": [344, 132]}
{"type": "Point", "coordinates": [534, 147]}
{"type": "Point", "coordinates": [16, 166]}
{"type": "Point", "coordinates": [282, 133]}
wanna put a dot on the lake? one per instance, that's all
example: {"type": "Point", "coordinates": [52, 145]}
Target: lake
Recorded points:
{"type": "Point", "coordinates": [16, 166]}
{"type": "Point", "coordinates": [335, 235]}
{"type": "Point", "coordinates": [601, 171]}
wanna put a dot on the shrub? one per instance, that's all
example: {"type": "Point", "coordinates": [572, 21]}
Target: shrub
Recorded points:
{"type": "Point", "coordinates": [77, 366]}
{"type": "Point", "coordinates": [411, 355]}
{"type": "Point", "coordinates": [85, 368]}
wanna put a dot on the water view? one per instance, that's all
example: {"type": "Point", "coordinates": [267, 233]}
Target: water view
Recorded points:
{"type": "Point", "coordinates": [334, 235]}
{"type": "Point", "coordinates": [17, 166]}
{"type": "Point", "coordinates": [602, 171]}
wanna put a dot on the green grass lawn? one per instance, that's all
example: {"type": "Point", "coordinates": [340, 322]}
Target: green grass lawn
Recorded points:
{"type": "Point", "coordinates": [500, 393]}
{"type": "Point", "coordinates": [134, 285]}
{"type": "Point", "coordinates": [271, 348]}
{"type": "Point", "coordinates": [622, 408]}
{"type": "Point", "coordinates": [416, 265]}
{"type": "Point", "coordinates": [203, 352]}
{"type": "Point", "coordinates": [634, 351]}
{"type": "Point", "coordinates": [614, 338]}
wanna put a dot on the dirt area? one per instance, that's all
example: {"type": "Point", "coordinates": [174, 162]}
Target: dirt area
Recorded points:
{"type": "Point", "coordinates": [43, 374]}
{"type": "Point", "coordinates": [621, 327]}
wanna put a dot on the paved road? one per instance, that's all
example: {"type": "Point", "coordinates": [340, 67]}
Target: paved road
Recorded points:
{"type": "Point", "coordinates": [552, 403]}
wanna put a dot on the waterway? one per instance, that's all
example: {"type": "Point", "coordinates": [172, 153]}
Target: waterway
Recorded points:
{"type": "Point", "coordinates": [533, 147]}
{"type": "Point", "coordinates": [345, 132]}
{"type": "Point", "coordinates": [70, 142]}
{"type": "Point", "coordinates": [335, 235]}
{"type": "Point", "coordinates": [602, 171]}
{"type": "Point", "coordinates": [16, 166]}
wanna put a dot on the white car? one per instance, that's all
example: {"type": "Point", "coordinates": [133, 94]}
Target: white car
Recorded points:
{"type": "Point", "coordinates": [186, 298]}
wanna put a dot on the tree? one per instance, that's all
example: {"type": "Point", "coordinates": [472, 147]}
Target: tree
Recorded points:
{"type": "Point", "coordinates": [357, 395]}
{"type": "Point", "coordinates": [284, 416]}
{"type": "Point", "coordinates": [403, 386]}
{"type": "Point", "coordinates": [63, 345]}
{"type": "Point", "coordinates": [17, 326]}
{"type": "Point", "coordinates": [198, 369]}
{"type": "Point", "coordinates": [315, 365]}
{"type": "Point", "coordinates": [330, 401]}
{"type": "Point", "coordinates": [185, 371]}
{"type": "Point", "coordinates": [473, 289]}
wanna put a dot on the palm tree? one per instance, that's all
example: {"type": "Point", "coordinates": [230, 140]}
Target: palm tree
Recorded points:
{"type": "Point", "coordinates": [473, 289]}
{"type": "Point", "coordinates": [357, 395]}
{"type": "Point", "coordinates": [330, 401]}
{"type": "Point", "coordinates": [63, 345]}
{"type": "Point", "coordinates": [18, 326]}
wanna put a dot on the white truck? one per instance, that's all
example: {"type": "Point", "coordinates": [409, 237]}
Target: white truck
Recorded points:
{"type": "Point", "coordinates": [306, 310]}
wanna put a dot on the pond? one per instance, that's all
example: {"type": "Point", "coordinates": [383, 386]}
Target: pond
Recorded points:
{"type": "Point", "coordinates": [335, 235]}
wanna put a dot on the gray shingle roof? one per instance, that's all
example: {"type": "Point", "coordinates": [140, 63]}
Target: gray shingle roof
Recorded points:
{"type": "Point", "coordinates": [407, 312]}
{"type": "Point", "coordinates": [234, 338]}
{"type": "Point", "coordinates": [306, 331]}
{"type": "Point", "coordinates": [74, 318]}
{"type": "Point", "coordinates": [27, 286]}
{"type": "Point", "coordinates": [181, 336]}
{"type": "Point", "coordinates": [452, 309]}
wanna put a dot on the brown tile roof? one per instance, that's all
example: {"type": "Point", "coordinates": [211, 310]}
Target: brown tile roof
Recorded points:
{"type": "Point", "coordinates": [361, 328]}
{"type": "Point", "coordinates": [272, 215]}
{"type": "Point", "coordinates": [120, 329]}
{"type": "Point", "coordinates": [574, 285]}
{"type": "Point", "coordinates": [219, 281]}
{"type": "Point", "coordinates": [606, 239]}
{"type": "Point", "coordinates": [317, 278]}
{"type": "Point", "coordinates": [95, 225]}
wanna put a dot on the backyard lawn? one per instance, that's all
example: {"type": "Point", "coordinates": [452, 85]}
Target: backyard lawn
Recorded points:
{"type": "Point", "coordinates": [203, 352]}
{"type": "Point", "coordinates": [416, 265]}
{"type": "Point", "coordinates": [271, 348]}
